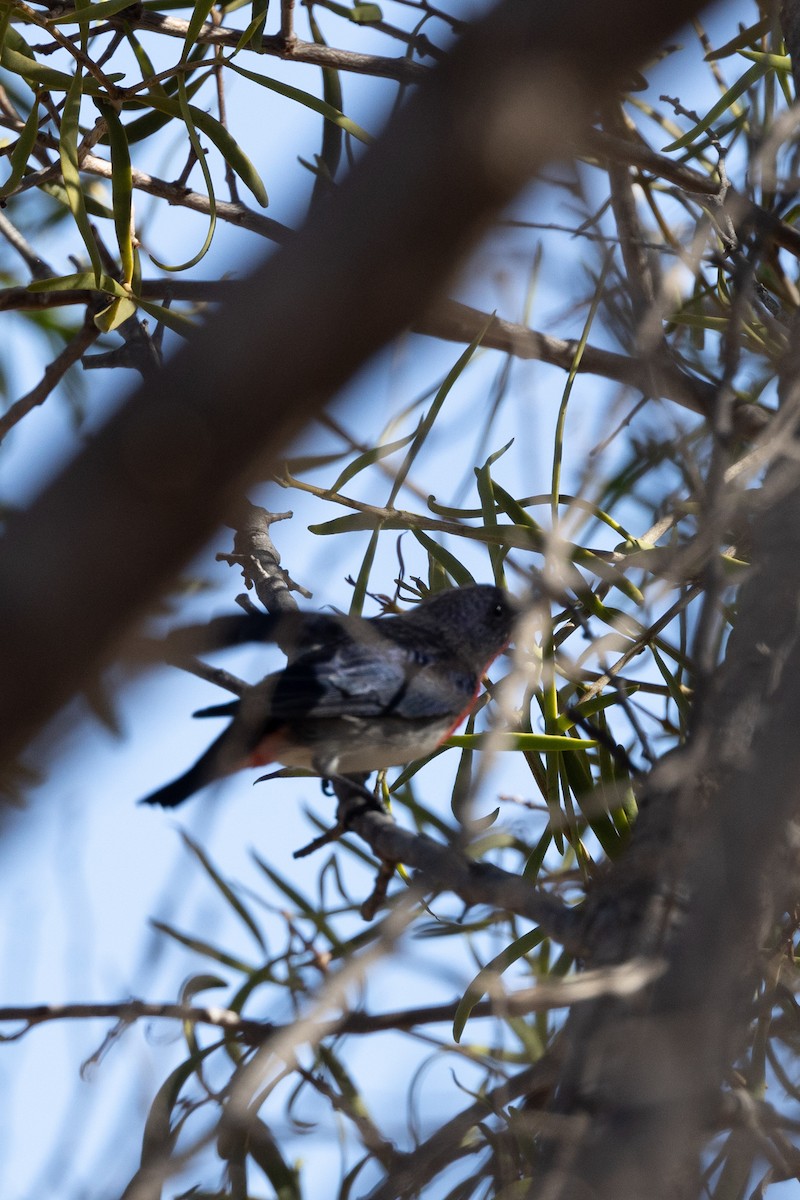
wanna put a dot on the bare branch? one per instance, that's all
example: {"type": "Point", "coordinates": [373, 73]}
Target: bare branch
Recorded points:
{"type": "Point", "coordinates": [402, 69]}
{"type": "Point", "coordinates": [54, 373]}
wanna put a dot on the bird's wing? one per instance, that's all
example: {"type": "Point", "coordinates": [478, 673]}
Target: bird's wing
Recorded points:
{"type": "Point", "coordinates": [353, 680]}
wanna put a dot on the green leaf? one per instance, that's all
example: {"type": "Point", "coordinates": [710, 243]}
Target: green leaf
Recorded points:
{"type": "Point", "coordinates": [80, 281]}
{"type": "Point", "coordinates": [360, 14]}
{"type": "Point", "coordinates": [733, 93]}
{"type": "Point", "coordinates": [121, 189]}
{"type": "Point", "coordinates": [198, 946]}
{"type": "Point", "coordinates": [143, 127]}
{"type": "Point", "coordinates": [68, 151]}
{"type": "Point", "coordinates": [18, 158]}
{"type": "Point", "coordinates": [196, 22]}
{"type": "Point", "coordinates": [778, 62]}
{"type": "Point", "coordinates": [488, 975]}
{"type": "Point", "coordinates": [368, 458]}
{"type": "Point", "coordinates": [455, 569]}
{"type": "Point", "coordinates": [679, 697]}
{"type": "Point", "coordinates": [504, 742]}
{"type": "Point", "coordinates": [218, 134]}
{"type": "Point", "coordinates": [365, 14]}
{"type": "Point", "coordinates": [595, 705]}
{"type": "Point", "coordinates": [93, 207]}
{"type": "Point", "coordinates": [313, 102]}
{"type": "Point", "coordinates": [224, 888]}
{"type": "Point", "coordinates": [33, 72]}
{"type": "Point", "coordinates": [483, 476]}
{"type": "Point", "coordinates": [332, 135]}
{"type": "Point", "coordinates": [112, 317]}
{"type": "Point", "coordinates": [745, 38]}
{"type": "Point", "coordinates": [266, 1152]}
{"type": "Point", "coordinates": [159, 1136]}
{"type": "Point", "coordinates": [179, 323]}
{"type": "Point", "coordinates": [256, 27]}
{"type": "Point", "coordinates": [196, 984]}
{"type": "Point", "coordinates": [534, 863]}
{"type": "Point", "coordinates": [90, 12]}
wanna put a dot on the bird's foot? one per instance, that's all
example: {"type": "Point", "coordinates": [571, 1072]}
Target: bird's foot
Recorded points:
{"type": "Point", "coordinates": [354, 800]}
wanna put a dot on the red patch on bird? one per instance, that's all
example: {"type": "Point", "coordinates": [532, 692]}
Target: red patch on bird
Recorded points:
{"type": "Point", "coordinates": [267, 751]}
{"type": "Point", "coordinates": [465, 713]}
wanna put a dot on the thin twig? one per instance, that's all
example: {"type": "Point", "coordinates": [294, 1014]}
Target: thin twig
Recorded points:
{"type": "Point", "coordinates": [53, 375]}
{"type": "Point", "coordinates": [37, 266]}
{"type": "Point", "coordinates": [287, 26]}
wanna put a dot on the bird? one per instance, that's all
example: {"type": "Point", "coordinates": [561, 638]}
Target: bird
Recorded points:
{"type": "Point", "coordinates": [359, 694]}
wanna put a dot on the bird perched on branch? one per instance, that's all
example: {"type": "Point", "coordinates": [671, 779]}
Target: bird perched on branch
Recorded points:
{"type": "Point", "coordinates": [359, 694]}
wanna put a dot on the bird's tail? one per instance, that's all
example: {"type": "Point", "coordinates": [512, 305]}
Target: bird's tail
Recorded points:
{"type": "Point", "coordinates": [210, 766]}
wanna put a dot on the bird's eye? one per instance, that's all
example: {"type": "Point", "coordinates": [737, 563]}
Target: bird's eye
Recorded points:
{"type": "Point", "coordinates": [498, 610]}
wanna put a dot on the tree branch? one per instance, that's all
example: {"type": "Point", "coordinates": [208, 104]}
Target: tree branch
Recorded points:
{"type": "Point", "coordinates": [86, 336]}
{"type": "Point", "coordinates": [403, 70]}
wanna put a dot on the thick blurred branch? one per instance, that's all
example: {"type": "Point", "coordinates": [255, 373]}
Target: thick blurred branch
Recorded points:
{"type": "Point", "coordinates": [711, 865]}
{"type": "Point", "coordinates": [109, 532]}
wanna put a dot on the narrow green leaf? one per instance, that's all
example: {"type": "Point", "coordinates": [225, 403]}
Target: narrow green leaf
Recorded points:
{"type": "Point", "coordinates": [219, 135]}
{"type": "Point", "coordinates": [455, 569]}
{"type": "Point", "coordinates": [93, 207]}
{"type": "Point", "coordinates": [362, 578]}
{"type": "Point", "coordinates": [121, 189]}
{"type": "Point", "coordinates": [368, 458]}
{"type": "Point", "coordinates": [187, 113]}
{"type": "Point", "coordinates": [778, 62]}
{"type": "Point", "coordinates": [198, 946]}
{"type": "Point", "coordinates": [179, 323]}
{"type": "Point", "coordinates": [79, 281]}
{"type": "Point", "coordinates": [159, 1136]}
{"type": "Point", "coordinates": [483, 476]}
{"type": "Point", "coordinates": [5, 19]}
{"type": "Point", "coordinates": [91, 12]}
{"type": "Point", "coordinates": [303, 905]}
{"type": "Point", "coordinates": [68, 151]}
{"type": "Point", "coordinates": [366, 14]}
{"type": "Point", "coordinates": [224, 888]}
{"type": "Point", "coordinates": [306, 98]}
{"type": "Point", "coordinates": [255, 30]}
{"type": "Point", "coordinates": [196, 984]}
{"type": "Point", "coordinates": [504, 742]}
{"type": "Point", "coordinates": [488, 975]}
{"type": "Point", "coordinates": [679, 697]}
{"type": "Point", "coordinates": [266, 1153]}
{"type": "Point", "coordinates": [18, 158]}
{"type": "Point", "coordinates": [332, 134]}
{"type": "Point", "coordinates": [427, 422]}
{"type": "Point", "coordinates": [534, 863]}
{"type": "Point", "coordinates": [196, 22]}
{"type": "Point", "coordinates": [34, 72]}
{"type": "Point", "coordinates": [744, 38]}
{"type": "Point", "coordinates": [733, 93]}
{"type": "Point", "coordinates": [360, 14]}
{"type": "Point", "coordinates": [595, 705]}
{"type": "Point", "coordinates": [141, 128]}
{"type": "Point", "coordinates": [113, 316]}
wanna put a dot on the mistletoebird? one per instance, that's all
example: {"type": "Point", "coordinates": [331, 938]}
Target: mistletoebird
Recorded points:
{"type": "Point", "coordinates": [359, 694]}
